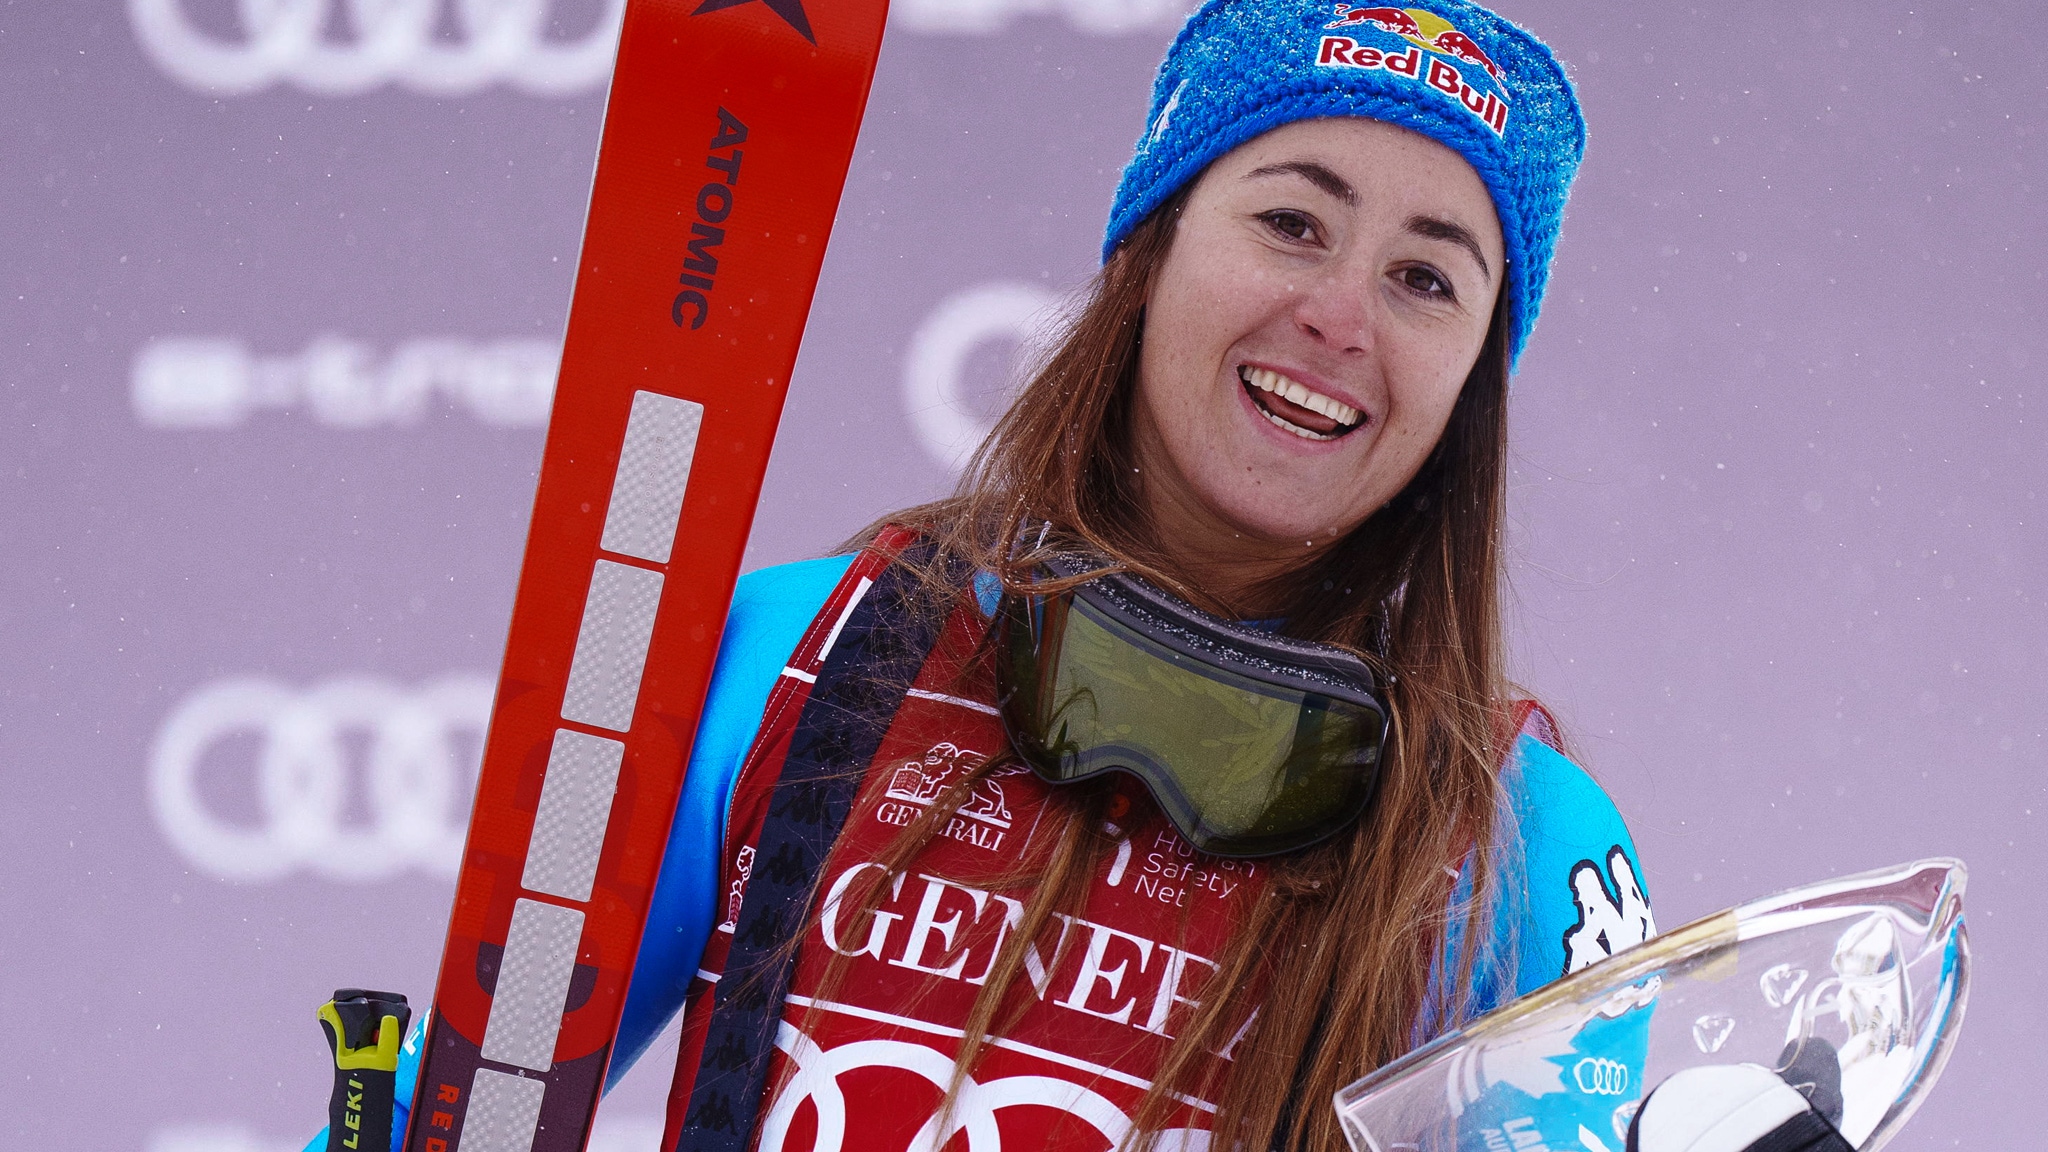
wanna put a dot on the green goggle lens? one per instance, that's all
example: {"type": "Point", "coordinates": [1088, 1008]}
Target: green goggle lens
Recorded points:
{"type": "Point", "coordinates": [1245, 758]}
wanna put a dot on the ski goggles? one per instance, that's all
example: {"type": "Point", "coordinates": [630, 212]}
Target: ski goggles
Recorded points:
{"type": "Point", "coordinates": [1252, 743]}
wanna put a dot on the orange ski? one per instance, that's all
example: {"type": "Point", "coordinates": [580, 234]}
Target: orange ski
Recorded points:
{"type": "Point", "coordinates": [726, 142]}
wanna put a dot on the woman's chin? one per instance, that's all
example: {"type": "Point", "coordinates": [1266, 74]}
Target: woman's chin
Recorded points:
{"type": "Point", "coordinates": [1286, 500]}
{"type": "Point", "coordinates": [1263, 526]}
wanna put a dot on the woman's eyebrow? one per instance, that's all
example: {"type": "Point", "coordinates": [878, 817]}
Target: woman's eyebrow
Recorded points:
{"type": "Point", "coordinates": [1315, 174]}
{"type": "Point", "coordinates": [1437, 228]}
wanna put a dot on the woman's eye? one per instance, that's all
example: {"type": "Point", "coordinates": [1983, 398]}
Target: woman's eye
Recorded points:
{"type": "Point", "coordinates": [1426, 281]}
{"type": "Point", "coordinates": [1292, 225]}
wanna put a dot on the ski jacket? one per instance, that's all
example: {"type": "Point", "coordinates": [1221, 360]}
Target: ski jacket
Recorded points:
{"type": "Point", "coordinates": [1571, 894]}
{"type": "Point", "coordinates": [861, 1058]}
{"type": "Point", "coordinates": [866, 1058]}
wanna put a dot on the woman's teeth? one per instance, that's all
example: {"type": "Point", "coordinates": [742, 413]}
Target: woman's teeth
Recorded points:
{"type": "Point", "coordinates": [1266, 380]}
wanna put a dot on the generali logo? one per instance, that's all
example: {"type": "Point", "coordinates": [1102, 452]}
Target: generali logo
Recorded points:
{"type": "Point", "coordinates": [1423, 46]}
{"type": "Point", "coordinates": [983, 819]}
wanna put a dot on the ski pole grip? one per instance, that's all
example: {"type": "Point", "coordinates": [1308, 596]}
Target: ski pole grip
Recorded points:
{"type": "Point", "coordinates": [364, 1030]}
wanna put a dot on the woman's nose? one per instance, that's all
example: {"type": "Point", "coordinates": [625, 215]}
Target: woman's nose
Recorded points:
{"type": "Point", "coordinates": [1332, 307]}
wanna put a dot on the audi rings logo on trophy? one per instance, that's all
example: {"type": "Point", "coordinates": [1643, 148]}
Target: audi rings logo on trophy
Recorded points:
{"type": "Point", "coordinates": [1599, 1076]}
{"type": "Point", "coordinates": [354, 779]}
{"type": "Point", "coordinates": [402, 42]}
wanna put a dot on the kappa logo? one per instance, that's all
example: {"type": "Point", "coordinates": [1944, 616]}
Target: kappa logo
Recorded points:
{"type": "Point", "coordinates": [406, 756]}
{"type": "Point", "coordinates": [1613, 914]}
{"type": "Point", "coordinates": [401, 42]}
{"type": "Point", "coordinates": [1402, 36]}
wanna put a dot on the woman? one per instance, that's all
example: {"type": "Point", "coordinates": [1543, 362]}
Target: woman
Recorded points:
{"type": "Point", "coordinates": [1285, 402]}
{"type": "Point", "coordinates": [893, 919]}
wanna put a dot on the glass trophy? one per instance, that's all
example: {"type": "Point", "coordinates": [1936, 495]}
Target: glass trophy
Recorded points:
{"type": "Point", "coordinates": [1847, 992]}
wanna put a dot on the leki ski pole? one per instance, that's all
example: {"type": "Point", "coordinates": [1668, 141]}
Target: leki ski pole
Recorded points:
{"type": "Point", "coordinates": [364, 1030]}
{"type": "Point", "coordinates": [726, 142]}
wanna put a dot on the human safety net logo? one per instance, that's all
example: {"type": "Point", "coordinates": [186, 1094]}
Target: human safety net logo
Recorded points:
{"type": "Point", "coordinates": [1423, 46]}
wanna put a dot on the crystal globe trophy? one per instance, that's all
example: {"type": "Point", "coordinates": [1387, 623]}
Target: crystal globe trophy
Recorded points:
{"type": "Point", "coordinates": [1816, 1019]}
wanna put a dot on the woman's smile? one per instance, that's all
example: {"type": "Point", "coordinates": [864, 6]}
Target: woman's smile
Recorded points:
{"type": "Point", "coordinates": [1297, 408]}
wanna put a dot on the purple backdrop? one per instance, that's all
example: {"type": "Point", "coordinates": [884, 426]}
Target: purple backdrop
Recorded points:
{"type": "Point", "coordinates": [280, 292]}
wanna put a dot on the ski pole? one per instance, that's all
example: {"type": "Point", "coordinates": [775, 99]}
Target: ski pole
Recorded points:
{"type": "Point", "coordinates": [364, 1030]}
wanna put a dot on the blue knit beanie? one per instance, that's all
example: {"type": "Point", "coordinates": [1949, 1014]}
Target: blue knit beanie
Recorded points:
{"type": "Point", "coordinates": [1453, 71]}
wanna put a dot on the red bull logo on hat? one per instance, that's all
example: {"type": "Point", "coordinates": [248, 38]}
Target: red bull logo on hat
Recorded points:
{"type": "Point", "coordinates": [1420, 45]}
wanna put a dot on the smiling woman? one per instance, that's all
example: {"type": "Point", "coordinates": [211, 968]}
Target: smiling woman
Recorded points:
{"type": "Point", "coordinates": [1176, 780]}
{"type": "Point", "coordinates": [1169, 773]}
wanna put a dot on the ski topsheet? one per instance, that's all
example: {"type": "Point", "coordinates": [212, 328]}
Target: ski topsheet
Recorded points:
{"type": "Point", "coordinates": [726, 142]}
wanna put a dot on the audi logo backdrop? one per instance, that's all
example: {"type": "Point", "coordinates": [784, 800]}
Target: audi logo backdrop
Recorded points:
{"type": "Point", "coordinates": [282, 285]}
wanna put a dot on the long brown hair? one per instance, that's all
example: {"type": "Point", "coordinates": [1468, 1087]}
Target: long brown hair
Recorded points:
{"type": "Point", "coordinates": [1358, 923]}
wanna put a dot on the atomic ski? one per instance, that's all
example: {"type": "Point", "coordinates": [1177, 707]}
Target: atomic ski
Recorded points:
{"type": "Point", "coordinates": [726, 142]}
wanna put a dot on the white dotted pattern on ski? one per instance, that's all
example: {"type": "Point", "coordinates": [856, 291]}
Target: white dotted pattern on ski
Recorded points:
{"type": "Point", "coordinates": [654, 471]}
{"type": "Point", "coordinates": [611, 646]}
{"type": "Point", "coordinates": [504, 1111]}
{"type": "Point", "coordinates": [580, 784]}
{"type": "Point", "coordinates": [533, 985]}
{"type": "Point", "coordinates": [575, 806]}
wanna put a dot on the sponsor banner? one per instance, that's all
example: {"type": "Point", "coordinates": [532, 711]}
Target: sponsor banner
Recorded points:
{"type": "Point", "coordinates": [627, 1133]}
{"type": "Point", "coordinates": [213, 382]}
{"type": "Point", "coordinates": [990, 17]}
{"type": "Point", "coordinates": [433, 47]}
{"type": "Point", "coordinates": [355, 779]}
{"type": "Point", "coordinates": [949, 414]}
{"type": "Point", "coordinates": [463, 47]}
{"type": "Point", "coordinates": [217, 382]}
{"type": "Point", "coordinates": [216, 1138]}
